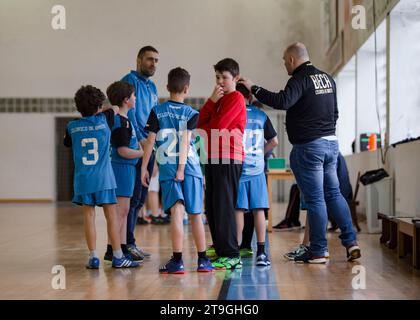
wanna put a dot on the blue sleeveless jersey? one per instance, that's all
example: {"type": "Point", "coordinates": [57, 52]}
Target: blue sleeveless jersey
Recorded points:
{"type": "Point", "coordinates": [90, 138]}
{"type": "Point", "coordinates": [172, 118]}
{"type": "Point", "coordinates": [122, 123]}
{"type": "Point", "coordinates": [254, 142]}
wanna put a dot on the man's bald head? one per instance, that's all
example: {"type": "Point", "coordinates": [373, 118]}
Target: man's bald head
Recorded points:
{"type": "Point", "coordinates": [295, 55]}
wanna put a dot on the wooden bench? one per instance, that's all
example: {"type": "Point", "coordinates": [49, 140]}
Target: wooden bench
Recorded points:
{"type": "Point", "coordinates": [389, 230]}
{"type": "Point", "coordinates": [409, 239]}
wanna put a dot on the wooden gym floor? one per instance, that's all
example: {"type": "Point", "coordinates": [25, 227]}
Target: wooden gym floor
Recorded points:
{"type": "Point", "coordinates": [34, 238]}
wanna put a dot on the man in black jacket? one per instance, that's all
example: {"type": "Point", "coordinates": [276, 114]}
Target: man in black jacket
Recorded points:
{"type": "Point", "coordinates": [311, 114]}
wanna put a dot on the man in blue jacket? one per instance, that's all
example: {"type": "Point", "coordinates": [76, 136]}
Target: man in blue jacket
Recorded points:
{"type": "Point", "coordinates": [310, 101]}
{"type": "Point", "coordinates": [147, 98]}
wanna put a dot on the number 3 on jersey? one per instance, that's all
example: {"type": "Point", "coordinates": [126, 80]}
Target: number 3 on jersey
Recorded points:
{"type": "Point", "coordinates": [93, 151]}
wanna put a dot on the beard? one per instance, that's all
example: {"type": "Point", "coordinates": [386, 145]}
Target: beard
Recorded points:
{"type": "Point", "coordinates": [148, 72]}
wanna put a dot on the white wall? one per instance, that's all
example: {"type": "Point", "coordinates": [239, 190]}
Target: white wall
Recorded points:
{"type": "Point", "coordinates": [27, 156]}
{"type": "Point", "coordinates": [402, 165]}
{"type": "Point", "coordinates": [102, 38]}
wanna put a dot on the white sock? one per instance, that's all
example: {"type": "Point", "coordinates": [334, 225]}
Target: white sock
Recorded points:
{"type": "Point", "coordinates": [93, 254]}
{"type": "Point", "coordinates": [117, 253]}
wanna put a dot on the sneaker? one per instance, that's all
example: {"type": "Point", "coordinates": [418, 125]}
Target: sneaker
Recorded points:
{"type": "Point", "coordinates": [262, 260]}
{"type": "Point", "coordinates": [172, 267]}
{"type": "Point", "coordinates": [211, 252]}
{"type": "Point", "coordinates": [307, 257]}
{"type": "Point", "coordinates": [124, 263]}
{"type": "Point", "coordinates": [135, 258]}
{"type": "Point", "coordinates": [137, 252]}
{"type": "Point", "coordinates": [284, 225]}
{"type": "Point", "coordinates": [353, 253]}
{"type": "Point", "coordinates": [93, 263]}
{"type": "Point", "coordinates": [144, 253]}
{"type": "Point", "coordinates": [246, 252]}
{"type": "Point", "coordinates": [166, 220]}
{"type": "Point", "coordinates": [156, 220]}
{"type": "Point", "coordinates": [223, 263]}
{"type": "Point", "coordinates": [297, 252]}
{"type": "Point", "coordinates": [204, 265]}
{"type": "Point", "coordinates": [141, 220]}
{"type": "Point", "coordinates": [108, 257]}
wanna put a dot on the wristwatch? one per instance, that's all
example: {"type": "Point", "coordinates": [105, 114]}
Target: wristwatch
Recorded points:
{"type": "Point", "coordinates": [255, 89]}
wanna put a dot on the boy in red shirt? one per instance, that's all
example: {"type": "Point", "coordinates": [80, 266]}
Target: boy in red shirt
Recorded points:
{"type": "Point", "coordinates": [223, 117]}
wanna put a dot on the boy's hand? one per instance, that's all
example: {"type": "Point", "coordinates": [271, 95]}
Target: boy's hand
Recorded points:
{"type": "Point", "coordinates": [246, 82]}
{"type": "Point", "coordinates": [145, 177]}
{"type": "Point", "coordinates": [179, 175]}
{"type": "Point", "coordinates": [217, 94]}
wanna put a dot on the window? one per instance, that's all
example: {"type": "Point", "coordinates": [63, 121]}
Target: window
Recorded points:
{"type": "Point", "coordinates": [346, 100]}
{"type": "Point", "coordinates": [404, 71]}
{"type": "Point", "coordinates": [371, 86]}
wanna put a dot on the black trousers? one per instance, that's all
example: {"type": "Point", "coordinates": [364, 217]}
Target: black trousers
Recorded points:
{"type": "Point", "coordinates": [248, 230]}
{"type": "Point", "coordinates": [221, 194]}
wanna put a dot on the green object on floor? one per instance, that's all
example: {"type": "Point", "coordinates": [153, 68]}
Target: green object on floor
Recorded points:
{"type": "Point", "coordinates": [246, 253]}
{"type": "Point", "coordinates": [227, 263]}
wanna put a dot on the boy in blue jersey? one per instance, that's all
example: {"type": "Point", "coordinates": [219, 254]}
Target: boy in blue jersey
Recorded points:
{"type": "Point", "coordinates": [170, 126]}
{"type": "Point", "coordinates": [125, 154]}
{"type": "Point", "coordinates": [94, 181]}
{"type": "Point", "coordinates": [260, 137]}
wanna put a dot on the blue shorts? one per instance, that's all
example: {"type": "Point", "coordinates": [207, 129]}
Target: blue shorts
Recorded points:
{"type": "Point", "coordinates": [252, 193]}
{"type": "Point", "coordinates": [96, 199]}
{"type": "Point", "coordinates": [189, 191]}
{"type": "Point", "coordinates": [125, 176]}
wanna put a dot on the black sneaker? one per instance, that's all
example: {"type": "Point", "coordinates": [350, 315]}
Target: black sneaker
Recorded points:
{"type": "Point", "coordinates": [284, 225]}
{"type": "Point", "coordinates": [141, 220]}
{"type": "Point", "coordinates": [156, 220]}
{"type": "Point", "coordinates": [308, 257]}
{"type": "Point", "coordinates": [108, 257]}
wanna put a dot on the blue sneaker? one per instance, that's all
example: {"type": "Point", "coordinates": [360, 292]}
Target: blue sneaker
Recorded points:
{"type": "Point", "coordinates": [263, 261]}
{"type": "Point", "coordinates": [124, 263]}
{"type": "Point", "coordinates": [93, 263]}
{"type": "Point", "coordinates": [172, 267]}
{"type": "Point", "coordinates": [204, 265]}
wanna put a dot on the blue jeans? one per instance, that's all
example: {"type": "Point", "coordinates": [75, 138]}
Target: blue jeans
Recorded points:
{"type": "Point", "coordinates": [137, 200]}
{"type": "Point", "coordinates": [314, 165]}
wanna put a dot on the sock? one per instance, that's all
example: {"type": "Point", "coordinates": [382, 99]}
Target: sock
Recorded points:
{"type": "Point", "coordinates": [108, 248]}
{"type": "Point", "coordinates": [177, 256]}
{"type": "Point", "coordinates": [93, 254]}
{"type": "Point", "coordinates": [202, 255]}
{"type": "Point", "coordinates": [118, 254]}
{"type": "Point", "coordinates": [124, 248]}
{"type": "Point", "coordinates": [261, 248]}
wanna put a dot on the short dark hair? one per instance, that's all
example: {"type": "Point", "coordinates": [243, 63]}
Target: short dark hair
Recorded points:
{"type": "Point", "coordinates": [89, 100]}
{"type": "Point", "coordinates": [242, 89]}
{"type": "Point", "coordinates": [118, 91]}
{"type": "Point", "coordinates": [178, 78]}
{"type": "Point", "coordinates": [143, 50]}
{"type": "Point", "coordinates": [229, 65]}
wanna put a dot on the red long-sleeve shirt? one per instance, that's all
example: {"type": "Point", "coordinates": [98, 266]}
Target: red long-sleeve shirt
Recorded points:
{"type": "Point", "coordinates": [224, 123]}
